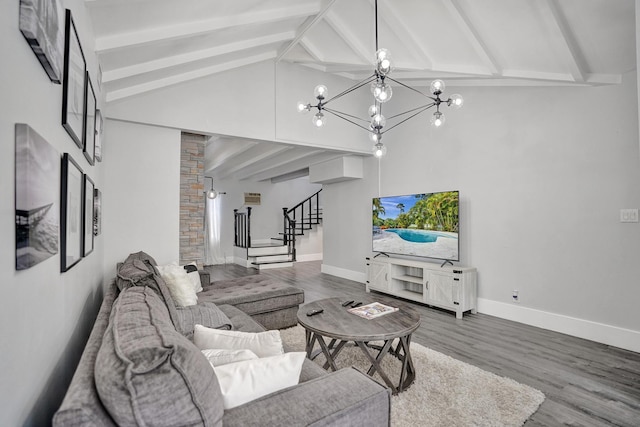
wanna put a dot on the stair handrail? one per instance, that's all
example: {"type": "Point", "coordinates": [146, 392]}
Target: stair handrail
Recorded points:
{"type": "Point", "coordinates": [308, 200]}
{"type": "Point", "coordinates": [289, 236]}
{"type": "Point", "coordinates": [242, 228]}
{"type": "Point", "coordinates": [290, 220]}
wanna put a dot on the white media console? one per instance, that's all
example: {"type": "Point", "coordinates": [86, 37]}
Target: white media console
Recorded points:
{"type": "Point", "coordinates": [449, 287]}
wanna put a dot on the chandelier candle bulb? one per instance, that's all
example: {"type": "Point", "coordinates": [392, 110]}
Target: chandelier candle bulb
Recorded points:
{"type": "Point", "coordinates": [379, 150]}
{"type": "Point", "coordinates": [437, 119]}
{"type": "Point", "coordinates": [320, 92]}
{"type": "Point", "coordinates": [455, 101]}
{"type": "Point", "coordinates": [437, 87]}
{"type": "Point", "coordinates": [378, 121]}
{"type": "Point", "coordinates": [319, 120]}
{"type": "Point", "coordinates": [303, 108]}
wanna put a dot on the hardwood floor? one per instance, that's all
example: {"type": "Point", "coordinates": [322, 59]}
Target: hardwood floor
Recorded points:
{"type": "Point", "coordinates": [585, 383]}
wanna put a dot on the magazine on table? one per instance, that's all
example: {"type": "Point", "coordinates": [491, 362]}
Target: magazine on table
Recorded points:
{"type": "Point", "coordinates": [373, 310]}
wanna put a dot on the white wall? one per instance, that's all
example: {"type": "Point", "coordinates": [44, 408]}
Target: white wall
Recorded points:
{"type": "Point", "coordinates": [543, 173]}
{"type": "Point", "coordinates": [46, 315]}
{"type": "Point", "coordinates": [141, 197]}
{"type": "Point", "coordinates": [262, 95]}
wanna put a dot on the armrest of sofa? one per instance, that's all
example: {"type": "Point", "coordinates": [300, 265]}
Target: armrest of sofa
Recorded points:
{"type": "Point", "coordinates": [341, 398]}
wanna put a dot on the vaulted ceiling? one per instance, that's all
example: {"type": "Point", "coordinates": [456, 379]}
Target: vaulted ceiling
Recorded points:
{"type": "Point", "coordinates": [145, 45]}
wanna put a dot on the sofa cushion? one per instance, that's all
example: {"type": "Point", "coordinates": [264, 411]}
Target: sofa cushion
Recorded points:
{"type": "Point", "coordinates": [147, 373]}
{"type": "Point", "coordinates": [205, 314]}
{"type": "Point", "coordinates": [219, 357]}
{"type": "Point", "coordinates": [240, 320]}
{"type": "Point", "coordinates": [139, 269]}
{"type": "Point", "coordinates": [242, 382]}
{"type": "Point", "coordinates": [179, 284]}
{"type": "Point", "coordinates": [194, 276]}
{"type": "Point", "coordinates": [253, 294]}
{"type": "Point", "coordinates": [263, 344]}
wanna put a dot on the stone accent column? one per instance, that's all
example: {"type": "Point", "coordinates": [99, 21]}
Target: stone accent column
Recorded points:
{"type": "Point", "coordinates": [192, 199]}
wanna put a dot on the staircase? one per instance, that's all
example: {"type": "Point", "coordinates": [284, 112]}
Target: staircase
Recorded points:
{"type": "Point", "coordinates": [281, 250]}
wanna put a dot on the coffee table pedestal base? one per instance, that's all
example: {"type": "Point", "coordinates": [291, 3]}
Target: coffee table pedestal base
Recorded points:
{"type": "Point", "coordinates": [401, 351]}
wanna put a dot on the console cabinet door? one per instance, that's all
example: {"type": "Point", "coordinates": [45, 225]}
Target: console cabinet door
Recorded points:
{"type": "Point", "coordinates": [443, 291]}
{"type": "Point", "coordinates": [378, 275]}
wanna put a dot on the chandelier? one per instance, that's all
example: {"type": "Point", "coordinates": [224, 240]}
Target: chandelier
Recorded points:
{"type": "Point", "coordinates": [376, 123]}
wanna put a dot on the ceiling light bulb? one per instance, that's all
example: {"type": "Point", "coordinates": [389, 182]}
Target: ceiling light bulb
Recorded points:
{"type": "Point", "coordinates": [373, 110]}
{"type": "Point", "coordinates": [382, 92]}
{"type": "Point", "coordinates": [437, 120]}
{"type": "Point", "coordinates": [381, 54]}
{"type": "Point", "coordinates": [383, 61]}
{"type": "Point", "coordinates": [379, 150]}
{"type": "Point", "coordinates": [437, 87]}
{"type": "Point", "coordinates": [456, 101]}
{"type": "Point", "coordinates": [303, 108]}
{"type": "Point", "coordinates": [378, 122]}
{"type": "Point", "coordinates": [320, 92]}
{"type": "Point", "coordinates": [318, 120]}
{"type": "Point", "coordinates": [212, 194]}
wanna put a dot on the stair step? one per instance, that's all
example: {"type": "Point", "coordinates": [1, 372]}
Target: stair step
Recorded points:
{"type": "Point", "coordinates": [270, 262]}
{"type": "Point", "coordinates": [268, 255]}
{"type": "Point", "coordinates": [267, 250]}
{"type": "Point", "coordinates": [264, 245]}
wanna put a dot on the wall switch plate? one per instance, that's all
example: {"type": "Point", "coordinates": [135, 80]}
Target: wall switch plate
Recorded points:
{"type": "Point", "coordinates": [628, 215]}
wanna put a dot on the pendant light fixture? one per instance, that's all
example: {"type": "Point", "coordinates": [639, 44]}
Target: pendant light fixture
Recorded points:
{"type": "Point", "coordinates": [376, 123]}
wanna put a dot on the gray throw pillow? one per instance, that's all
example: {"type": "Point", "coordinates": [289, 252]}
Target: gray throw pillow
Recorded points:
{"type": "Point", "coordinates": [204, 313]}
{"type": "Point", "coordinates": [147, 373]}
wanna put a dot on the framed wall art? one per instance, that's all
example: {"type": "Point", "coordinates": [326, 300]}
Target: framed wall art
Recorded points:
{"type": "Point", "coordinates": [42, 26]}
{"type": "Point", "coordinates": [71, 213]}
{"type": "Point", "coordinates": [73, 86]}
{"type": "Point", "coordinates": [36, 198]}
{"type": "Point", "coordinates": [87, 222]}
{"type": "Point", "coordinates": [98, 143]}
{"type": "Point", "coordinates": [89, 121]}
{"type": "Point", "coordinates": [97, 212]}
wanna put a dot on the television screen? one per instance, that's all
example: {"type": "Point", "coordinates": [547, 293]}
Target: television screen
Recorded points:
{"type": "Point", "coordinates": [424, 225]}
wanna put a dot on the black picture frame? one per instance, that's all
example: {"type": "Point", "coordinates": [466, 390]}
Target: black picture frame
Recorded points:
{"type": "Point", "coordinates": [87, 215]}
{"type": "Point", "coordinates": [41, 25]}
{"type": "Point", "coordinates": [36, 198]}
{"type": "Point", "coordinates": [89, 147]}
{"type": "Point", "coordinates": [99, 131]}
{"type": "Point", "coordinates": [97, 212]}
{"type": "Point", "coordinates": [71, 213]}
{"type": "Point", "coordinates": [73, 86]}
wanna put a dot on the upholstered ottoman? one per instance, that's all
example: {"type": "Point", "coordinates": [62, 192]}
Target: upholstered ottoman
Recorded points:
{"type": "Point", "coordinates": [271, 303]}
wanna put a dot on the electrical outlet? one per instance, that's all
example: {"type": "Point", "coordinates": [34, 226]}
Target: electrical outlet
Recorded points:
{"type": "Point", "coordinates": [515, 295]}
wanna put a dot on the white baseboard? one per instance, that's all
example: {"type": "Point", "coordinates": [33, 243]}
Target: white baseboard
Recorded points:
{"type": "Point", "coordinates": [309, 257]}
{"type": "Point", "coordinates": [243, 262]}
{"type": "Point", "coordinates": [599, 332]}
{"type": "Point", "coordinates": [587, 329]}
{"type": "Point", "coordinates": [356, 276]}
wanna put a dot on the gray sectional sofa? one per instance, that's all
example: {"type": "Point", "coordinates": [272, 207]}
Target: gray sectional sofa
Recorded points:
{"type": "Point", "coordinates": [139, 368]}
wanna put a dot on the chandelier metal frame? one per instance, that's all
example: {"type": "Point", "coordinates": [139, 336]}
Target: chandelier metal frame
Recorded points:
{"type": "Point", "coordinates": [382, 92]}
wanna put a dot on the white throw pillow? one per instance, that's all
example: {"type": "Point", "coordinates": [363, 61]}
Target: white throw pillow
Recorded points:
{"type": "Point", "coordinates": [263, 344]}
{"type": "Point", "coordinates": [242, 382]}
{"type": "Point", "coordinates": [218, 357]}
{"type": "Point", "coordinates": [179, 285]}
{"type": "Point", "coordinates": [194, 276]}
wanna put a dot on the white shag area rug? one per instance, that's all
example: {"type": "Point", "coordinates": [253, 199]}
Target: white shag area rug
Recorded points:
{"type": "Point", "coordinates": [446, 391]}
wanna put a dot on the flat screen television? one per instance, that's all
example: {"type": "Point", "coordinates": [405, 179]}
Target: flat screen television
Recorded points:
{"type": "Point", "coordinates": [422, 225]}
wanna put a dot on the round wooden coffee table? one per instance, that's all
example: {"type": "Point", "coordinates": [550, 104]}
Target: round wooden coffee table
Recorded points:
{"type": "Point", "coordinates": [342, 327]}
